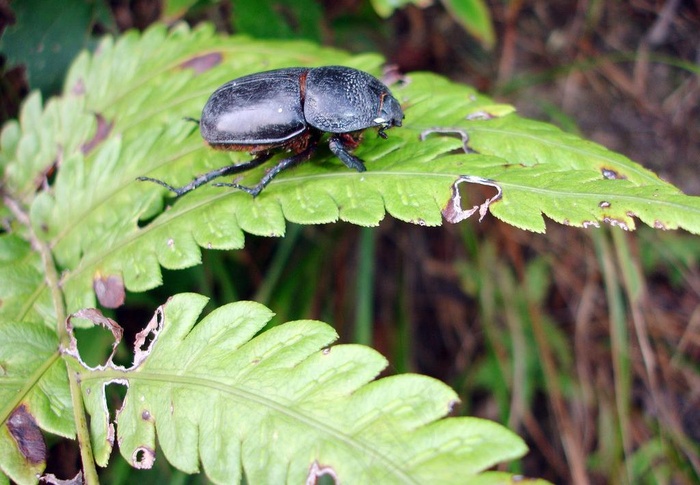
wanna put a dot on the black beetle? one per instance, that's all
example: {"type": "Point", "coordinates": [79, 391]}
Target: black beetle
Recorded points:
{"type": "Point", "coordinates": [290, 109]}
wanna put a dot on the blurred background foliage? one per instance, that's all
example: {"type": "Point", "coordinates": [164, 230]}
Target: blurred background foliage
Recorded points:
{"type": "Point", "coordinates": [584, 342]}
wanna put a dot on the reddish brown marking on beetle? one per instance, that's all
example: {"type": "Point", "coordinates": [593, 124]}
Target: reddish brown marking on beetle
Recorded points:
{"type": "Point", "coordinates": [27, 435]}
{"type": "Point", "coordinates": [302, 88]}
{"type": "Point", "coordinates": [230, 147]}
{"type": "Point", "coordinates": [294, 145]}
{"type": "Point", "coordinates": [351, 140]}
{"type": "Point", "coordinates": [381, 102]}
{"type": "Point", "coordinates": [203, 63]}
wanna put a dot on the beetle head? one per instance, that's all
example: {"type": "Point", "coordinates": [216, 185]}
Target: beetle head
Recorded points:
{"type": "Point", "coordinates": [390, 114]}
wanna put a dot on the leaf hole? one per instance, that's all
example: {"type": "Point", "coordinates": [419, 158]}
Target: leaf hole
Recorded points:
{"type": "Point", "coordinates": [114, 395]}
{"type": "Point", "coordinates": [145, 339]}
{"type": "Point", "coordinates": [452, 132]}
{"type": "Point", "coordinates": [96, 338]}
{"type": "Point", "coordinates": [456, 211]}
{"type": "Point", "coordinates": [321, 474]}
{"type": "Point", "coordinates": [143, 458]}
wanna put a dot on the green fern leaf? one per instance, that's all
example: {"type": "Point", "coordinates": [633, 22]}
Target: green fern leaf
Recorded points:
{"type": "Point", "coordinates": [33, 385]}
{"type": "Point", "coordinates": [21, 281]}
{"type": "Point", "coordinates": [281, 406]}
{"type": "Point", "coordinates": [121, 117]}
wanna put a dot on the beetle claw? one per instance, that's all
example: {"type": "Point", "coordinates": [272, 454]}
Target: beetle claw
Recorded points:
{"type": "Point", "coordinates": [254, 191]}
{"type": "Point", "coordinates": [340, 150]}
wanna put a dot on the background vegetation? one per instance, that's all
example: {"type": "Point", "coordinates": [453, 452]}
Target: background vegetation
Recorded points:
{"type": "Point", "coordinates": [584, 342]}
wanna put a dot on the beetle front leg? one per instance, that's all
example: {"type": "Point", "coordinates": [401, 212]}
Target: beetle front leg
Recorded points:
{"type": "Point", "coordinates": [209, 176]}
{"type": "Point", "coordinates": [341, 146]}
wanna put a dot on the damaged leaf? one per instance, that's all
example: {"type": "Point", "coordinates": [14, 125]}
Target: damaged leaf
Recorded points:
{"type": "Point", "coordinates": [129, 103]}
{"type": "Point", "coordinates": [71, 164]}
{"type": "Point", "coordinates": [280, 407]}
{"type": "Point", "coordinates": [33, 394]}
{"type": "Point", "coordinates": [454, 212]}
{"type": "Point", "coordinates": [27, 436]}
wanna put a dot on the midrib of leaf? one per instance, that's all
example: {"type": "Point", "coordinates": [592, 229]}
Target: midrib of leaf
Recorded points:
{"type": "Point", "coordinates": [345, 173]}
{"type": "Point", "coordinates": [29, 303]}
{"type": "Point", "coordinates": [203, 381]}
{"type": "Point", "coordinates": [89, 261]}
{"type": "Point", "coordinates": [569, 193]}
{"type": "Point", "coordinates": [335, 175]}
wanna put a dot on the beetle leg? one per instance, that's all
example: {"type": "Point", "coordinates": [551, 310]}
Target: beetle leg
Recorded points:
{"type": "Point", "coordinates": [209, 176]}
{"type": "Point", "coordinates": [340, 148]}
{"type": "Point", "coordinates": [267, 178]}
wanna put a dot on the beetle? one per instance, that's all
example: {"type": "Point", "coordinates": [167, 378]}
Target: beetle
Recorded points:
{"type": "Point", "coordinates": [290, 109]}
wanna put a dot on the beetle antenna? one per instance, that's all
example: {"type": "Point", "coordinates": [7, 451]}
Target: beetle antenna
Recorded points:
{"type": "Point", "coordinates": [189, 118]}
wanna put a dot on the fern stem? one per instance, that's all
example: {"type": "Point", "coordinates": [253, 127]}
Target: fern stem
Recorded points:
{"type": "Point", "coordinates": [49, 267]}
{"type": "Point", "coordinates": [52, 281]}
{"type": "Point", "coordinates": [81, 428]}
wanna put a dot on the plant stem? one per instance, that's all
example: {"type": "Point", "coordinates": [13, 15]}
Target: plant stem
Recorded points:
{"type": "Point", "coordinates": [619, 342]}
{"type": "Point", "coordinates": [52, 281]}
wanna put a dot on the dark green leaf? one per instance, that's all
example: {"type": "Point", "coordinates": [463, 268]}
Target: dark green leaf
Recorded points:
{"type": "Point", "coordinates": [47, 36]}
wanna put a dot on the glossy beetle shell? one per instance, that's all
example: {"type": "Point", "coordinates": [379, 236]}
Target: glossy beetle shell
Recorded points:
{"type": "Point", "coordinates": [341, 100]}
{"type": "Point", "coordinates": [273, 108]}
